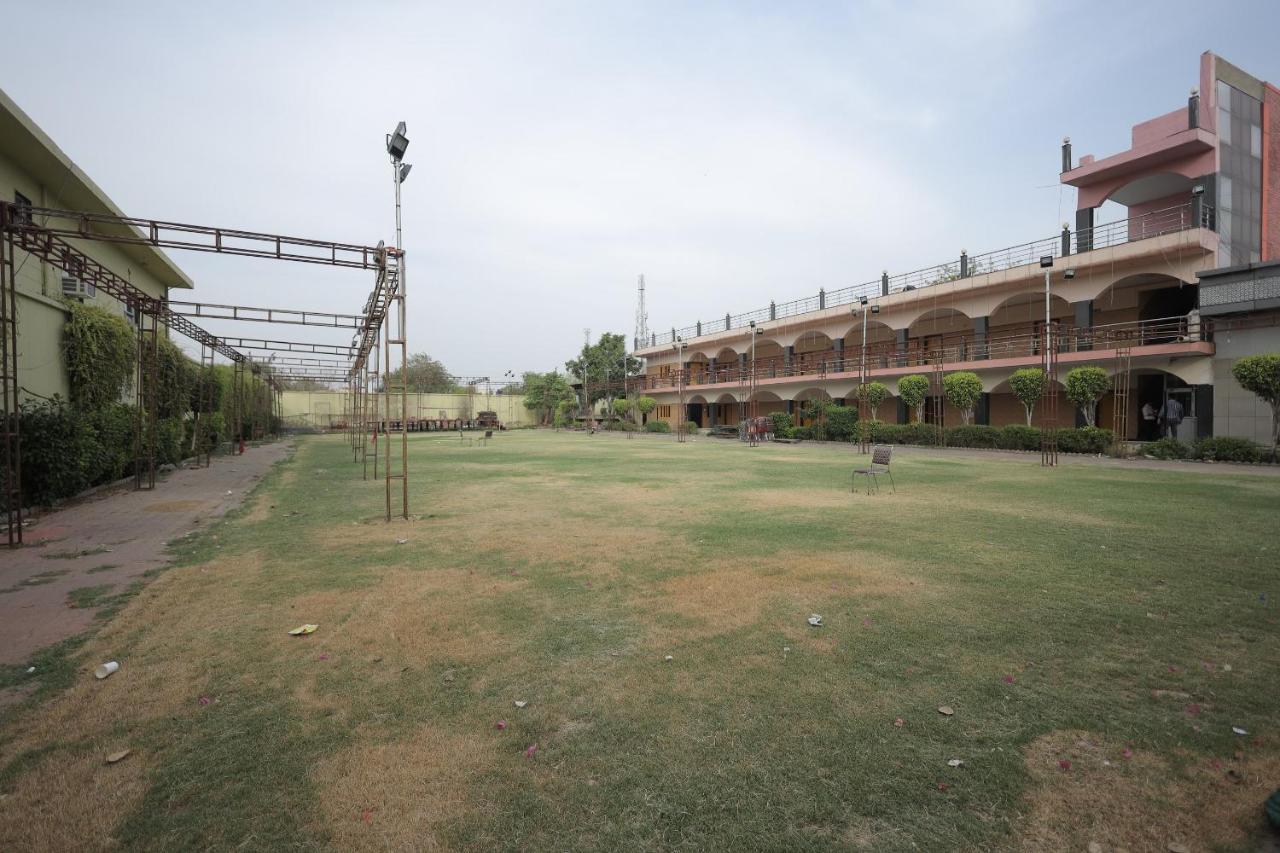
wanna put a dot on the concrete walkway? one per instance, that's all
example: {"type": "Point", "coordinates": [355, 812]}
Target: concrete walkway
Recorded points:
{"type": "Point", "coordinates": [108, 540]}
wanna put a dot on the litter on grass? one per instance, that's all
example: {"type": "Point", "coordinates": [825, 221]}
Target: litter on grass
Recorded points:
{"type": "Point", "coordinates": [945, 710]}
{"type": "Point", "coordinates": [815, 620]}
{"type": "Point", "coordinates": [105, 669]}
{"type": "Point", "coordinates": [955, 762]}
{"type": "Point", "coordinates": [303, 630]}
{"type": "Point", "coordinates": [520, 703]}
{"type": "Point", "coordinates": [117, 756]}
{"type": "Point", "coordinates": [1238, 731]}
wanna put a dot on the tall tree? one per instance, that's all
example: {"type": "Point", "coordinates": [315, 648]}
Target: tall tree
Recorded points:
{"type": "Point", "coordinates": [426, 376]}
{"type": "Point", "coordinates": [545, 392]}
{"type": "Point", "coordinates": [602, 366]}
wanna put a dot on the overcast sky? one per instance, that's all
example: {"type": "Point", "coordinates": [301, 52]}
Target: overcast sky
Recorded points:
{"type": "Point", "coordinates": [732, 152]}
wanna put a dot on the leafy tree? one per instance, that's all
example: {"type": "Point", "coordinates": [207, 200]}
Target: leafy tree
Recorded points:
{"type": "Point", "coordinates": [623, 406]}
{"type": "Point", "coordinates": [545, 392]}
{"type": "Point", "coordinates": [1028, 386]}
{"type": "Point", "coordinates": [1085, 387]}
{"type": "Point", "coordinates": [645, 406]}
{"type": "Point", "coordinates": [602, 366]}
{"type": "Point", "coordinates": [963, 390]}
{"type": "Point", "coordinates": [913, 390]}
{"type": "Point", "coordinates": [425, 376]}
{"type": "Point", "coordinates": [874, 393]}
{"type": "Point", "coordinates": [1261, 375]}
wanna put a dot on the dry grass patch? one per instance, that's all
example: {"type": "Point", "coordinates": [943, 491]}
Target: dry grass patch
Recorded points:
{"type": "Point", "coordinates": [72, 801]}
{"type": "Point", "coordinates": [399, 795]}
{"type": "Point", "coordinates": [727, 595]}
{"type": "Point", "coordinates": [1142, 802]}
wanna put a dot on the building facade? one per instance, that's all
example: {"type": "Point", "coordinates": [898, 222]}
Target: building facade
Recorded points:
{"type": "Point", "coordinates": [1201, 185]}
{"type": "Point", "coordinates": [35, 172]}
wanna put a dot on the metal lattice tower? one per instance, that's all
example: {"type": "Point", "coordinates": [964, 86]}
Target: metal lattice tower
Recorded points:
{"type": "Point", "coordinates": [642, 317]}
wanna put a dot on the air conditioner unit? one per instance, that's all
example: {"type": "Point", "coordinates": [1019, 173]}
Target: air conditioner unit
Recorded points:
{"type": "Point", "coordinates": [74, 288]}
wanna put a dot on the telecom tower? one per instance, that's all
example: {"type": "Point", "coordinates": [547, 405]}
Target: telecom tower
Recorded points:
{"type": "Point", "coordinates": [642, 319]}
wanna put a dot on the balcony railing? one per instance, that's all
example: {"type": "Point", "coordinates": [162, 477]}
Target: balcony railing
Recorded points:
{"type": "Point", "coordinates": [1026, 342]}
{"type": "Point", "coordinates": [1153, 224]}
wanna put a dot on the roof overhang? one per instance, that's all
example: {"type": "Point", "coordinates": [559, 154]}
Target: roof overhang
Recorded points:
{"type": "Point", "coordinates": [1142, 158]}
{"type": "Point", "coordinates": [33, 151]}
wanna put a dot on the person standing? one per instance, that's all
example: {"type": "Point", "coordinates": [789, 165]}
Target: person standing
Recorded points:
{"type": "Point", "coordinates": [1148, 422]}
{"type": "Point", "coordinates": [1170, 416]}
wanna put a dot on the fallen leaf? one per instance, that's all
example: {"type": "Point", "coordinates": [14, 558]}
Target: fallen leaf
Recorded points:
{"type": "Point", "coordinates": [528, 753]}
{"type": "Point", "coordinates": [117, 756]}
{"type": "Point", "coordinates": [1064, 763]}
{"type": "Point", "coordinates": [945, 710]}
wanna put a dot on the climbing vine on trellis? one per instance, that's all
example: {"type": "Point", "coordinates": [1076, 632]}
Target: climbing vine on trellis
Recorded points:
{"type": "Point", "coordinates": [100, 349]}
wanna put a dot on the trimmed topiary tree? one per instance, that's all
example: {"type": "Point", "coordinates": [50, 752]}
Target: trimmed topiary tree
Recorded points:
{"type": "Point", "coordinates": [963, 390]}
{"type": "Point", "coordinates": [913, 390]}
{"type": "Point", "coordinates": [1028, 386]}
{"type": "Point", "coordinates": [1085, 387]}
{"type": "Point", "coordinates": [645, 405]}
{"type": "Point", "coordinates": [1261, 375]}
{"type": "Point", "coordinates": [874, 393]}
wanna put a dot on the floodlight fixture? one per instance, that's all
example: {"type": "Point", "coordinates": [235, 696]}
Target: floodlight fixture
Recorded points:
{"type": "Point", "coordinates": [1046, 260]}
{"type": "Point", "coordinates": [875, 309]}
{"type": "Point", "coordinates": [404, 171]}
{"type": "Point", "coordinates": [862, 300]}
{"type": "Point", "coordinates": [1069, 274]}
{"type": "Point", "coordinates": [397, 142]}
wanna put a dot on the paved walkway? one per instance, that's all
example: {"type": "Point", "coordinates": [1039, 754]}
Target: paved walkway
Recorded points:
{"type": "Point", "coordinates": [108, 540]}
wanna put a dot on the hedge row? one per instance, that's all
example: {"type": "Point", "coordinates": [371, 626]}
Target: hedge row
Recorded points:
{"type": "Point", "coordinates": [1214, 449]}
{"type": "Point", "coordinates": [1013, 437]}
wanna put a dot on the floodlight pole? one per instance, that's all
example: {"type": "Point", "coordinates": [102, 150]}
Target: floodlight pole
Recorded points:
{"type": "Point", "coordinates": [397, 143]}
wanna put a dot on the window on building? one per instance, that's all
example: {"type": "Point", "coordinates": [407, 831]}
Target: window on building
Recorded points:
{"type": "Point", "coordinates": [23, 208]}
{"type": "Point", "coordinates": [1239, 191]}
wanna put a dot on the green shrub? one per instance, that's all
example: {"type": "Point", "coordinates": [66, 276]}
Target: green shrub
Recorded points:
{"type": "Point", "coordinates": [170, 433]}
{"type": "Point", "coordinates": [973, 436]}
{"type": "Point", "coordinates": [692, 428]}
{"type": "Point", "coordinates": [1168, 448]}
{"type": "Point", "coordinates": [1261, 375]}
{"type": "Point", "coordinates": [781, 422]}
{"type": "Point", "coordinates": [842, 423]}
{"type": "Point", "coordinates": [800, 433]}
{"type": "Point", "coordinates": [1092, 440]}
{"type": "Point", "coordinates": [874, 393]}
{"type": "Point", "coordinates": [657, 426]}
{"type": "Point", "coordinates": [177, 377]}
{"type": "Point", "coordinates": [1085, 386]}
{"type": "Point", "coordinates": [1028, 385]}
{"type": "Point", "coordinates": [1226, 449]}
{"type": "Point", "coordinates": [113, 431]}
{"type": "Point", "coordinates": [1018, 437]}
{"type": "Point", "coordinates": [917, 433]}
{"type": "Point", "coordinates": [60, 452]}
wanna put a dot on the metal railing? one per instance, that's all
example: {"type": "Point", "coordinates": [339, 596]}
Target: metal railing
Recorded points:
{"type": "Point", "coordinates": [1022, 342]}
{"type": "Point", "coordinates": [1153, 224]}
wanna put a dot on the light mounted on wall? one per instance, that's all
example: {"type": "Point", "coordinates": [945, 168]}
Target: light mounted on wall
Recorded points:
{"type": "Point", "coordinates": [1046, 261]}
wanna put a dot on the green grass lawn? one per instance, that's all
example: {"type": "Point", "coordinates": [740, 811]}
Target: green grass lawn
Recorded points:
{"type": "Point", "coordinates": [1097, 631]}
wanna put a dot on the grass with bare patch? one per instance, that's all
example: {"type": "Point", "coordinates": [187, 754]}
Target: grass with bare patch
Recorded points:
{"type": "Point", "coordinates": [1067, 615]}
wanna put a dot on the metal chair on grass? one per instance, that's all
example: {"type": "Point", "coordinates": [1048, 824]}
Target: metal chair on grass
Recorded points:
{"type": "Point", "coordinates": [881, 456]}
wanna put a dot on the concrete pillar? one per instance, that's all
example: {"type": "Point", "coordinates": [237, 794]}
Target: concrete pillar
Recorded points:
{"type": "Point", "coordinates": [1066, 240]}
{"type": "Point", "coordinates": [1193, 110]}
{"type": "Point", "coordinates": [791, 407]}
{"type": "Point", "coordinates": [981, 326]}
{"type": "Point", "coordinates": [982, 411]}
{"type": "Point", "coordinates": [711, 366]}
{"type": "Point", "coordinates": [884, 283]}
{"type": "Point", "coordinates": [788, 357]}
{"type": "Point", "coordinates": [838, 345]}
{"type": "Point", "coordinates": [1083, 319]}
{"type": "Point", "coordinates": [904, 416]}
{"type": "Point", "coordinates": [1203, 402]}
{"type": "Point", "coordinates": [1066, 154]}
{"type": "Point", "coordinates": [964, 264]}
{"type": "Point", "coordinates": [822, 298]}
{"type": "Point", "coordinates": [773, 310]}
{"type": "Point", "coordinates": [900, 342]}
{"type": "Point", "coordinates": [742, 362]}
{"type": "Point", "coordinates": [711, 413]}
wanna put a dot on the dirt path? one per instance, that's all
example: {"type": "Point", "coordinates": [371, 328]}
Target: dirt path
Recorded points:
{"type": "Point", "coordinates": [106, 542]}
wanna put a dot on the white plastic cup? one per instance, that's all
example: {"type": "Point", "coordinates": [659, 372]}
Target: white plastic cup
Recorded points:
{"type": "Point", "coordinates": [106, 669]}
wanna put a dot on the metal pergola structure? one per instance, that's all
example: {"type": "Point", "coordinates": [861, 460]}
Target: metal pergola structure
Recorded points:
{"type": "Point", "coordinates": [382, 320]}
